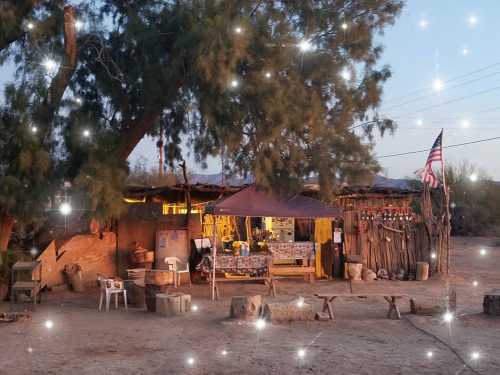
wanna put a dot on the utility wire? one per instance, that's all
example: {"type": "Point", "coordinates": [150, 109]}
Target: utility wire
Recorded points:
{"type": "Point", "coordinates": [428, 149]}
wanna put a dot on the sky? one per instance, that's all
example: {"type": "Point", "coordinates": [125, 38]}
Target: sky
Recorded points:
{"type": "Point", "coordinates": [453, 41]}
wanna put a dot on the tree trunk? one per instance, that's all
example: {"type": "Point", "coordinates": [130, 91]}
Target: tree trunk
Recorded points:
{"type": "Point", "coordinates": [6, 225]}
{"type": "Point", "coordinates": [285, 312]}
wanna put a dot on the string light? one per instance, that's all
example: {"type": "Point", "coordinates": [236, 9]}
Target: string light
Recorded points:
{"type": "Point", "coordinates": [305, 45]}
{"type": "Point", "coordinates": [448, 317]}
{"type": "Point", "coordinates": [473, 177]}
{"type": "Point", "coordinates": [301, 353]}
{"type": "Point", "coordinates": [49, 324]}
{"type": "Point", "coordinates": [437, 84]}
{"type": "Point", "coordinates": [65, 208]}
{"type": "Point", "coordinates": [430, 354]}
{"type": "Point", "coordinates": [260, 324]}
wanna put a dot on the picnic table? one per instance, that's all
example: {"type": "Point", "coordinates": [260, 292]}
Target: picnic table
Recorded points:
{"type": "Point", "coordinates": [390, 298]}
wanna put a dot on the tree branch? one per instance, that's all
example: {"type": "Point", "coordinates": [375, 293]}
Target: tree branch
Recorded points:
{"type": "Point", "coordinates": [9, 36]}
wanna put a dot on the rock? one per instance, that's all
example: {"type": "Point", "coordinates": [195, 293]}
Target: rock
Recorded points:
{"type": "Point", "coordinates": [427, 308]}
{"type": "Point", "coordinates": [491, 303]}
{"type": "Point", "coordinates": [383, 274]}
{"type": "Point", "coordinates": [322, 316]}
{"type": "Point", "coordinates": [245, 307]}
{"type": "Point", "coordinates": [285, 312]}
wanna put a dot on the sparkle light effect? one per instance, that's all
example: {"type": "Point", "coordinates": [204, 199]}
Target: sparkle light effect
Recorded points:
{"type": "Point", "coordinates": [86, 133]}
{"type": "Point", "coordinates": [437, 84]}
{"type": "Point", "coordinates": [65, 209]}
{"type": "Point", "coordinates": [419, 122]}
{"type": "Point", "coordinates": [33, 251]}
{"type": "Point", "coordinates": [344, 26]}
{"type": "Point", "coordinates": [238, 30]}
{"type": "Point", "coordinates": [190, 361]}
{"type": "Point", "coordinates": [234, 83]}
{"type": "Point", "coordinates": [305, 45]}
{"type": "Point", "coordinates": [301, 353]}
{"type": "Point", "coordinates": [473, 177]}
{"type": "Point", "coordinates": [423, 24]}
{"type": "Point", "coordinates": [346, 74]}
{"type": "Point", "coordinates": [472, 20]}
{"type": "Point", "coordinates": [453, 205]}
{"type": "Point", "coordinates": [430, 354]}
{"type": "Point", "coordinates": [30, 25]}
{"type": "Point", "coordinates": [78, 100]}
{"type": "Point", "coordinates": [30, 349]}
{"type": "Point", "coordinates": [482, 252]}
{"type": "Point", "coordinates": [433, 255]}
{"type": "Point", "coordinates": [448, 317]}
{"type": "Point", "coordinates": [78, 25]}
{"type": "Point", "coordinates": [49, 324]}
{"type": "Point", "coordinates": [475, 356]}
{"type": "Point", "coordinates": [34, 129]}
{"type": "Point", "coordinates": [49, 64]}
{"type": "Point", "coordinates": [465, 124]}
{"type": "Point", "coordinates": [223, 352]}
{"type": "Point", "coordinates": [465, 51]}
{"type": "Point", "coordinates": [194, 308]}
{"type": "Point", "coordinates": [475, 283]}
{"type": "Point", "coordinates": [268, 75]}
{"type": "Point", "coordinates": [260, 324]}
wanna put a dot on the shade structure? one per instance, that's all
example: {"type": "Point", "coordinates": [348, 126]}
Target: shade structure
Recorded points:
{"type": "Point", "coordinates": [254, 202]}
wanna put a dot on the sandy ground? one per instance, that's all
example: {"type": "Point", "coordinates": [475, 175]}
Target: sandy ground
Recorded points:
{"type": "Point", "coordinates": [360, 341]}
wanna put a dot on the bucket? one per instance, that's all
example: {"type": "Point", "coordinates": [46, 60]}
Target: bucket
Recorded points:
{"type": "Point", "coordinates": [355, 271]}
{"type": "Point", "coordinates": [151, 290]}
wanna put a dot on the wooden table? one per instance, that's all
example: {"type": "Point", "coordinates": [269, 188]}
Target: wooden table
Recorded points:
{"type": "Point", "coordinates": [391, 298]}
{"type": "Point", "coordinates": [268, 281]}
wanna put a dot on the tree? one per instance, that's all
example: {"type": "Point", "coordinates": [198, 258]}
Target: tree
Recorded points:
{"type": "Point", "coordinates": [277, 86]}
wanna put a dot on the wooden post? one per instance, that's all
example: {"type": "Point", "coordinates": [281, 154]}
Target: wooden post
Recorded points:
{"type": "Point", "coordinates": [446, 192]}
{"type": "Point", "coordinates": [214, 254]}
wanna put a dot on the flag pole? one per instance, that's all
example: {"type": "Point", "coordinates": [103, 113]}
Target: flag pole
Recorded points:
{"type": "Point", "coordinates": [446, 192]}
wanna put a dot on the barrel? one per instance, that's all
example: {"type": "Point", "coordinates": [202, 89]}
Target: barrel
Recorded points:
{"type": "Point", "coordinates": [151, 291]}
{"type": "Point", "coordinates": [422, 271]}
{"type": "Point", "coordinates": [136, 293]}
{"type": "Point", "coordinates": [354, 271]}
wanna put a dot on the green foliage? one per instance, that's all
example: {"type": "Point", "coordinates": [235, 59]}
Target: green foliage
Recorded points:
{"type": "Point", "coordinates": [148, 66]}
{"type": "Point", "coordinates": [474, 205]}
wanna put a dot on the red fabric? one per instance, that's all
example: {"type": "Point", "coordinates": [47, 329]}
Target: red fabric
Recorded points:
{"type": "Point", "coordinates": [253, 202]}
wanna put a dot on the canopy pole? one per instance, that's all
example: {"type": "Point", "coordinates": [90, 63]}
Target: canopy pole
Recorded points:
{"type": "Point", "coordinates": [214, 254]}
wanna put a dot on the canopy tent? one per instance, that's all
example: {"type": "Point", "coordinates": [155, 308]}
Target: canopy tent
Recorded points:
{"type": "Point", "coordinates": [251, 201]}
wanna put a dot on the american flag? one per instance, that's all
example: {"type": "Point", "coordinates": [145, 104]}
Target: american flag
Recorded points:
{"type": "Point", "coordinates": [436, 154]}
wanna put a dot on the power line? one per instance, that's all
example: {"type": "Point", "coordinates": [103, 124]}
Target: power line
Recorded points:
{"type": "Point", "coordinates": [411, 93]}
{"type": "Point", "coordinates": [452, 87]}
{"type": "Point", "coordinates": [428, 149]}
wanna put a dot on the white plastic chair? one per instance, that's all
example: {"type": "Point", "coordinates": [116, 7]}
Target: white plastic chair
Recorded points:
{"type": "Point", "coordinates": [108, 288]}
{"type": "Point", "coordinates": [178, 267]}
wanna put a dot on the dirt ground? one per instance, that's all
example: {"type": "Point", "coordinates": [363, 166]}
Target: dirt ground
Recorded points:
{"type": "Point", "coordinates": [361, 340]}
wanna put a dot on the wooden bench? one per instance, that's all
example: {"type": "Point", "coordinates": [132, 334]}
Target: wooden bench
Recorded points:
{"type": "Point", "coordinates": [391, 298]}
{"type": "Point", "coordinates": [307, 270]}
{"type": "Point", "coordinates": [269, 281]}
